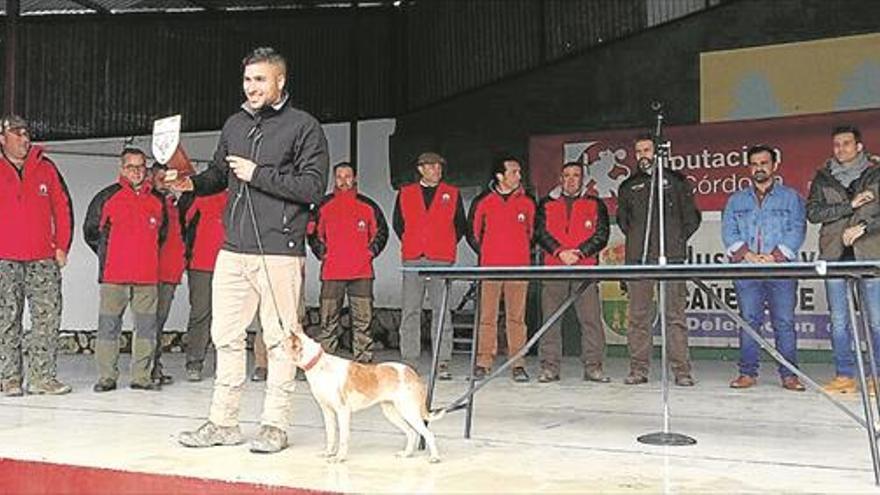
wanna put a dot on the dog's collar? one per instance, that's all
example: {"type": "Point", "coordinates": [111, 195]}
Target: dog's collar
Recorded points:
{"type": "Point", "coordinates": [312, 362]}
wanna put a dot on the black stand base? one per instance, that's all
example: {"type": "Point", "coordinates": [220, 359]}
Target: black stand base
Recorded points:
{"type": "Point", "coordinates": [668, 439]}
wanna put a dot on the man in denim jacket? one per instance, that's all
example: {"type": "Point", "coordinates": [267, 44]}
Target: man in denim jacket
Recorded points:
{"type": "Point", "coordinates": [765, 224]}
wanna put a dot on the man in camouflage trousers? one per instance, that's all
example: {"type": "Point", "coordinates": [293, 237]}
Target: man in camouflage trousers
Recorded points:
{"type": "Point", "coordinates": [35, 214]}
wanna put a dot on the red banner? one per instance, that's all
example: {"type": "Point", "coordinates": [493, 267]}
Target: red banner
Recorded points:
{"type": "Point", "coordinates": [712, 156]}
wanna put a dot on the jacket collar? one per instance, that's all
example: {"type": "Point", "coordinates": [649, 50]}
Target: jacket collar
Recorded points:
{"type": "Point", "coordinates": [275, 108]}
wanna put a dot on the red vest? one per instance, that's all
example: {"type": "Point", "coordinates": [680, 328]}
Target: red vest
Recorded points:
{"type": "Point", "coordinates": [171, 254]}
{"type": "Point", "coordinates": [209, 232]}
{"type": "Point", "coordinates": [35, 213]}
{"type": "Point", "coordinates": [428, 231]}
{"type": "Point", "coordinates": [504, 228]}
{"type": "Point", "coordinates": [570, 229]}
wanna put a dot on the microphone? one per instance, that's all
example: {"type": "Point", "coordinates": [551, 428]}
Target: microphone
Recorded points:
{"type": "Point", "coordinates": [656, 105]}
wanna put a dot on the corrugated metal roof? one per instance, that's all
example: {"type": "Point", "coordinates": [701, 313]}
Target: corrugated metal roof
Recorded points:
{"type": "Point", "coordinates": [61, 7]}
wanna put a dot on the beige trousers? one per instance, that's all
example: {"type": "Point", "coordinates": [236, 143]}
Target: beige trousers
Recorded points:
{"type": "Point", "coordinates": [241, 286]}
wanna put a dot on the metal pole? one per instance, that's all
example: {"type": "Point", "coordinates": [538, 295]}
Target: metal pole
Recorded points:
{"type": "Point", "coordinates": [13, 8]}
{"type": "Point", "coordinates": [664, 437]}
{"type": "Point", "coordinates": [475, 341]}
{"type": "Point", "coordinates": [438, 334]}
{"type": "Point", "coordinates": [456, 404]}
{"type": "Point", "coordinates": [869, 338]}
{"type": "Point", "coordinates": [866, 402]}
{"type": "Point", "coordinates": [746, 327]}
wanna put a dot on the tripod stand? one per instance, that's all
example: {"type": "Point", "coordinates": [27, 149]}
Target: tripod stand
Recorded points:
{"type": "Point", "coordinates": [662, 150]}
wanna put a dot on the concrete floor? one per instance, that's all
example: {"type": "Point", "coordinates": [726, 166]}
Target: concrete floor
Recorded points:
{"type": "Point", "coordinates": [569, 436]}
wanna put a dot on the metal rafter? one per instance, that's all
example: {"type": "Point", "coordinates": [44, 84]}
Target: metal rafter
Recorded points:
{"type": "Point", "coordinates": [90, 4]}
{"type": "Point", "coordinates": [204, 5]}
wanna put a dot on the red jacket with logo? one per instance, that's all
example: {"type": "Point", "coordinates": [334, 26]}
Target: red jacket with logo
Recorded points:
{"type": "Point", "coordinates": [171, 254]}
{"type": "Point", "coordinates": [502, 227]}
{"type": "Point", "coordinates": [35, 213]}
{"type": "Point", "coordinates": [204, 231]}
{"type": "Point", "coordinates": [347, 230]}
{"type": "Point", "coordinates": [429, 231]}
{"type": "Point", "coordinates": [579, 223]}
{"type": "Point", "coordinates": [126, 228]}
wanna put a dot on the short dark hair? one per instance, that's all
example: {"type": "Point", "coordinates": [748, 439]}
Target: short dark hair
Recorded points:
{"type": "Point", "coordinates": [844, 129]}
{"type": "Point", "coordinates": [132, 150]}
{"type": "Point", "coordinates": [498, 166]}
{"type": "Point", "coordinates": [762, 148]}
{"type": "Point", "coordinates": [643, 136]}
{"type": "Point", "coordinates": [265, 54]}
{"type": "Point", "coordinates": [572, 164]}
{"type": "Point", "coordinates": [345, 165]}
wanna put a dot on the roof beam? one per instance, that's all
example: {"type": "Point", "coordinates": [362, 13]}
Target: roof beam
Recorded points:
{"type": "Point", "coordinates": [204, 5]}
{"type": "Point", "coordinates": [91, 4]}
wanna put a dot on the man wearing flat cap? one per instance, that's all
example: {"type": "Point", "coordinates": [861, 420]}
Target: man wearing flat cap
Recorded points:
{"type": "Point", "coordinates": [429, 219]}
{"type": "Point", "coordinates": [37, 222]}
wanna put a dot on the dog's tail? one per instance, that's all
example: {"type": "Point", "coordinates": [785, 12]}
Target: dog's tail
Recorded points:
{"type": "Point", "coordinates": [435, 414]}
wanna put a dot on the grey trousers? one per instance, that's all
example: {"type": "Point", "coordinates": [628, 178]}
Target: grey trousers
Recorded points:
{"type": "Point", "coordinates": [163, 308]}
{"type": "Point", "coordinates": [198, 327]}
{"type": "Point", "coordinates": [414, 288]}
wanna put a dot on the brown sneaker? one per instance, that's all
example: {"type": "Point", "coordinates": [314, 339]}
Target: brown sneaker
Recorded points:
{"type": "Point", "coordinates": [684, 381]}
{"type": "Point", "coordinates": [259, 374]}
{"type": "Point", "coordinates": [841, 385]}
{"type": "Point", "coordinates": [792, 383]}
{"type": "Point", "coordinates": [11, 387]}
{"type": "Point", "coordinates": [635, 379]}
{"type": "Point", "coordinates": [596, 375]}
{"type": "Point", "coordinates": [210, 435]}
{"type": "Point", "coordinates": [443, 372]}
{"type": "Point", "coordinates": [269, 440]}
{"type": "Point", "coordinates": [49, 387]}
{"type": "Point", "coordinates": [744, 381]}
{"type": "Point", "coordinates": [548, 376]}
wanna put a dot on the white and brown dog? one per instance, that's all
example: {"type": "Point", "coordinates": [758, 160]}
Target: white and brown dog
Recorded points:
{"type": "Point", "coordinates": [342, 386]}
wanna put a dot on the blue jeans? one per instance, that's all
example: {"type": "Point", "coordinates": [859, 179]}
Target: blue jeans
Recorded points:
{"type": "Point", "coordinates": [780, 296]}
{"type": "Point", "coordinates": [837, 294]}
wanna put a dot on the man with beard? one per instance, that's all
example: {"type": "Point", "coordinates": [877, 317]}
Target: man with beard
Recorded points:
{"type": "Point", "coordinates": [682, 218]}
{"type": "Point", "coordinates": [844, 199]}
{"type": "Point", "coordinates": [347, 232]}
{"type": "Point", "coordinates": [765, 223]}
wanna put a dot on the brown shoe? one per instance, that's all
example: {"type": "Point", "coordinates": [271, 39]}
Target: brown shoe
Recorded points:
{"type": "Point", "coordinates": [635, 379]}
{"type": "Point", "coordinates": [744, 381]}
{"type": "Point", "coordinates": [596, 375]}
{"type": "Point", "coordinates": [792, 383]}
{"type": "Point", "coordinates": [548, 376]}
{"type": "Point", "coordinates": [841, 385]}
{"type": "Point", "coordinates": [684, 381]}
{"type": "Point", "coordinates": [11, 387]}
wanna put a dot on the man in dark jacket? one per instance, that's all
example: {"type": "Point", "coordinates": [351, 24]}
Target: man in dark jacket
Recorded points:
{"type": "Point", "coordinates": [347, 232]}
{"type": "Point", "coordinates": [429, 220]}
{"type": "Point", "coordinates": [273, 159]}
{"type": "Point", "coordinates": [125, 226]}
{"type": "Point", "coordinates": [37, 224]}
{"type": "Point", "coordinates": [844, 198]}
{"type": "Point", "coordinates": [681, 221]}
{"type": "Point", "coordinates": [572, 228]}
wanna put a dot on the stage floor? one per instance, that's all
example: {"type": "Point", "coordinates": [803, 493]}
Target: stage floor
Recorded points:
{"type": "Point", "coordinates": [569, 436]}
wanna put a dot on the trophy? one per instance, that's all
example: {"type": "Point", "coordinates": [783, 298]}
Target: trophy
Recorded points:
{"type": "Point", "coordinates": [168, 151]}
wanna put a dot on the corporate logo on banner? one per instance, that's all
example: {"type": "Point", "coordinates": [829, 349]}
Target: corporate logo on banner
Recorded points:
{"type": "Point", "coordinates": [713, 158]}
